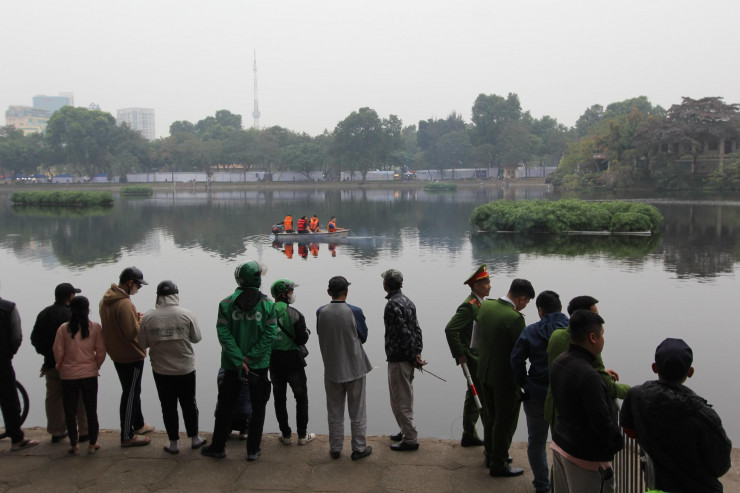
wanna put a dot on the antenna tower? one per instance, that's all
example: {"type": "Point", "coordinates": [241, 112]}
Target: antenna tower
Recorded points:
{"type": "Point", "coordinates": [256, 112]}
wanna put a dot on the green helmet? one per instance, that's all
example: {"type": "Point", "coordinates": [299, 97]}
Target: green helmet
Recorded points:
{"type": "Point", "coordinates": [281, 286]}
{"type": "Point", "coordinates": [249, 274]}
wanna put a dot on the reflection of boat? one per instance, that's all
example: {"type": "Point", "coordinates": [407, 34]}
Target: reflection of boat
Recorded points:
{"type": "Point", "coordinates": [312, 237]}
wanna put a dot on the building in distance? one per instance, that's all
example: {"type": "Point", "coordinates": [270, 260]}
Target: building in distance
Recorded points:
{"type": "Point", "coordinates": [140, 119]}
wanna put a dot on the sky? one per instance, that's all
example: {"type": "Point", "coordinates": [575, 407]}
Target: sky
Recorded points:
{"type": "Point", "coordinates": [320, 60]}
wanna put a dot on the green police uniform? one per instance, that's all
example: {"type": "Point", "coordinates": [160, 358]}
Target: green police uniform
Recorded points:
{"type": "Point", "coordinates": [499, 326]}
{"type": "Point", "coordinates": [559, 343]}
{"type": "Point", "coordinates": [459, 331]}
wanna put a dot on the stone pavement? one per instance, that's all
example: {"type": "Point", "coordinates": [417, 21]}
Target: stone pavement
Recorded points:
{"type": "Point", "coordinates": [438, 466]}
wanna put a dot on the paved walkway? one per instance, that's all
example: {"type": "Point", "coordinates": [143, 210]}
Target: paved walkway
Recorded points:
{"type": "Point", "coordinates": [438, 466]}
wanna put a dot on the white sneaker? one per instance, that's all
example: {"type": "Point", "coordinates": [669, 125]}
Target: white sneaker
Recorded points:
{"type": "Point", "coordinates": [286, 440]}
{"type": "Point", "coordinates": [306, 439]}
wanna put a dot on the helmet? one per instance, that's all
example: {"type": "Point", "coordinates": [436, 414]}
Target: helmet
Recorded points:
{"type": "Point", "coordinates": [132, 274]}
{"type": "Point", "coordinates": [281, 286]}
{"type": "Point", "coordinates": [249, 274]}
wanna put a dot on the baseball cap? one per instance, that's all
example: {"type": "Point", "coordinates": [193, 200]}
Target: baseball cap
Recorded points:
{"type": "Point", "coordinates": [167, 287]}
{"type": "Point", "coordinates": [65, 290]}
{"type": "Point", "coordinates": [337, 284]}
{"type": "Point", "coordinates": [673, 357]}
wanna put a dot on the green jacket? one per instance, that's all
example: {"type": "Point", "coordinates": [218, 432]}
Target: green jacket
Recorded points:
{"type": "Point", "coordinates": [499, 326]}
{"type": "Point", "coordinates": [459, 329]}
{"type": "Point", "coordinates": [559, 343]}
{"type": "Point", "coordinates": [246, 331]}
{"type": "Point", "coordinates": [283, 341]}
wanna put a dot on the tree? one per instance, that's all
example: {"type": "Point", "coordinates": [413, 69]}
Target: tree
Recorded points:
{"type": "Point", "coordinates": [362, 140]}
{"type": "Point", "coordinates": [491, 114]}
{"type": "Point", "coordinates": [86, 139]}
{"type": "Point", "coordinates": [20, 154]}
{"type": "Point", "coordinates": [589, 119]}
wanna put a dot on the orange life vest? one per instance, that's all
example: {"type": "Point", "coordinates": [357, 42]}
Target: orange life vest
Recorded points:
{"type": "Point", "coordinates": [313, 224]}
{"type": "Point", "coordinates": [332, 226]}
{"type": "Point", "coordinates": [288, 223]}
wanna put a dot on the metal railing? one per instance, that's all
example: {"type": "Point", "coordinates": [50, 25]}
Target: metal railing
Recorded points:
{"type": "Point", "coordinates": [629, 468]}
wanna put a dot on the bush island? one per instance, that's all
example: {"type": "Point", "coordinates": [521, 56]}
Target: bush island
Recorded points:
{"type": "Point", "coordinates": [63, 198]}
{"type": "Point", "coordinates": [137, 190]}
{"type": "Point", "coordinates": [540, 216]}
{"type": "Point", "coordinates": [439, 186]}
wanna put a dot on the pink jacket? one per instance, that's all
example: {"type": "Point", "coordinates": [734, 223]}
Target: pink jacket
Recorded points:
{"type": "Point", "coordinates": [79, 358]}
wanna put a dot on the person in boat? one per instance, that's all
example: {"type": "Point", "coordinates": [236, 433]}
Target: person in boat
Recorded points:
{"type": "Point", "coordinates": [332, 225]}
{"type": "Point", "coordinates": [288, 224]}
{"type": "Point", "coordinates": [302, 225]}
{"type": "Point", "coordinates": [313, 224]}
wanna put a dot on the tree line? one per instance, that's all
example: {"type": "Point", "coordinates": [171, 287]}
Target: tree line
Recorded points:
{"type": "Point", "coordinates": [627, 143]}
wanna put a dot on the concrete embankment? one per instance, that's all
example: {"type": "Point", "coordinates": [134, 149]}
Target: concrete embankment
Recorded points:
{"type": "Point", "coordinates": [438, 466]}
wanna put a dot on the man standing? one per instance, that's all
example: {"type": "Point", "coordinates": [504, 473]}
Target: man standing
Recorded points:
{"type": "Point", "coordinates": [403, 346]}
{"type": "Point", "coordinates": [10, 341]}
{"type": "Point", "coordinates": [532, 346]}
{"type": "Point", "coordinates": [246, 327]}
{"type": "Point", "coordinates": [586, 435]}
{"type": "Point", "coordinates": [287, 363]}
{"type": "Point", "coordinates": [120, 322]}
{"type": "Point", "coordinates": [559, 343]}
{"type": "Point", "coordinates": [170, 331]}
{"type": "Point", "coordinates": [499, 325]}
{"type": "Point", "coordinates": [459, 331]}
{"type": "Point", "coordinates": [42, 337]}
{"type": "Point", "coordinates": [342, 331]}
{"type": "Point", "coordinates": [683, 436]}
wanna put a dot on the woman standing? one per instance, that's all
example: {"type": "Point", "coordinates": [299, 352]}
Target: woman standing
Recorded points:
{"type": "Point", "coordinates": [79, 351]}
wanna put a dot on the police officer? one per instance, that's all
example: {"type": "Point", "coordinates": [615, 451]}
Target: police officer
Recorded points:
{"type": "Point", "coordinates": [459, 331]}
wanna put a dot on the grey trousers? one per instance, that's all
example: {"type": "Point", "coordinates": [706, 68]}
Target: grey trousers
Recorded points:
{"type": "Point", "coordinates": [56, 425]}
{"type": "Point", "coordinates": [569, 478]}
{"type": "Point", "coordinates": [401, 389]}
{"type": "Point", "coordinates": [353, 393]}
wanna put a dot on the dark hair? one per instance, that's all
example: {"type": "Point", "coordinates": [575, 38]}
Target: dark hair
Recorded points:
{"type": "Point", "coordinates": [80, 321]}
{"type": "Point", "coordinates": [521, 287]}
{"type": "Point", "coordinates": [581, 303]}
{"type": "Point", "coordinates": [549, 301]}
{"type": "Point", "coordinates": [583, 323]}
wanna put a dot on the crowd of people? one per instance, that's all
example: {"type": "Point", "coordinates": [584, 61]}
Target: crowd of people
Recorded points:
{"type": "Point", "coordinates": [552, 368]}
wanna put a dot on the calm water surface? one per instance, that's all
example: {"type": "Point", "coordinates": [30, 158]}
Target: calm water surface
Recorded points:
{"type": "Point", "coordinates": [681, 283]}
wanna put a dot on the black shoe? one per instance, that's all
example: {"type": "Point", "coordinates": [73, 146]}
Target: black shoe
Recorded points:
{"type": "Point", "coordinates": [209, 451]}
{"type": "Point", "coordinates": [509, 459]}
{"type": "Point", "coordinates": [487, 463]}
{"type": "Point", "coordinates": [397, 437]}
{"type": "Point", "coordinates": [335, 454]}
{"type": "Point", "coordinates": [84, 438]}
{"type": "Point", "coordinates": [471, 441]}
{"type": "Point", "coordinates": [507, 472]}
{"type": "Point", "coordinates": [58, 438]}
{"type": "Point", "coordinates": [361, 455]}
{"type": "Point", "coordinates": [404, 447]}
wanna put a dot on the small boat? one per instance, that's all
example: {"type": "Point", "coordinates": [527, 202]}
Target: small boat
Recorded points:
{"type": "Point", "coordinates": [312, 237]}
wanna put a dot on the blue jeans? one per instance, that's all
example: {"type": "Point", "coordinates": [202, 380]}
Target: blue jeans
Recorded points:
{"type": "Point", "coordinates": [537, 428]}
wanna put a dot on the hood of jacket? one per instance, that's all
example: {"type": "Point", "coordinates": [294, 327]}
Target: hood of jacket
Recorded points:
{"type": "Point", "coordinates": [113, 295]}
{"type": "Point", "coordinates": [167, 300]}
{"type": "Point", "coordinates": [549, 323]}
{"type": "Point", "coordinates": [667, 402]}
{"type": "Point", "coordinates": [247, 298]}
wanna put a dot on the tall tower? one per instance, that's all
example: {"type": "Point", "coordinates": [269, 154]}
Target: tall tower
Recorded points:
{"type": "Point", "coordinates": [256, 112]}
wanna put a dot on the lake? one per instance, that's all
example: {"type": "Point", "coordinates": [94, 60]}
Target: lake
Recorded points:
{"type": "Point", "coordinates": [680, 283]}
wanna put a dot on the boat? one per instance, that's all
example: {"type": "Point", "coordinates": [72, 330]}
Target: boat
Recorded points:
{"type": "Point", "coordinates": [325, 236]}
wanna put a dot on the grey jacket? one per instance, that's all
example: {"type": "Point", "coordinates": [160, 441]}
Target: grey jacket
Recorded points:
{"type": "Point", "coordinates": [169, 331]}
{"type": "Point", "coordinates": [341, 349]}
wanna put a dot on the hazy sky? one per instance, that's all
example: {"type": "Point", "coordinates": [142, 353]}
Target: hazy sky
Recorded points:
{"type": "Point", "coordinates": [320, 60]}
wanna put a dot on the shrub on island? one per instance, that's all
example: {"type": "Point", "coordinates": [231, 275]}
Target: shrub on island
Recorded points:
{"type": "Point", "coordinates": [62, 198]}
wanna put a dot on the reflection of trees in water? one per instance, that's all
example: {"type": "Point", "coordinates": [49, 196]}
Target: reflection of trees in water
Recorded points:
{"type": "Point", "coordinates": [701, 240]}
{"type": "Point", "coordinates": [504, 249]}
{"type": "Point", "coordinates": [698, 240]}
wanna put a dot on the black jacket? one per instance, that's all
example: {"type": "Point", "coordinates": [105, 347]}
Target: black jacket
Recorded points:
{"type": "Point", "coordinates": [587, 420]}
{"type": "Point", "coordinates": [681, 433]}
{"type": "Point", "coordinates": [45, 330]}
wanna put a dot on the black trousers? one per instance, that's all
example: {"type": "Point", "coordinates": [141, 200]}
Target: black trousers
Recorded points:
{"type": "Point", "coordinates": [9, 402]}
{"type": "Point", "coordinates": [174, 388]}
{"type": "Point", "coordinates": [129, 374]}
{"type": "Point", "coordinates": [297, 382]}
{"type": "Point", "coordinates": [228, 394]}
{"type": "Point", "coordinates": [71, 390]}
